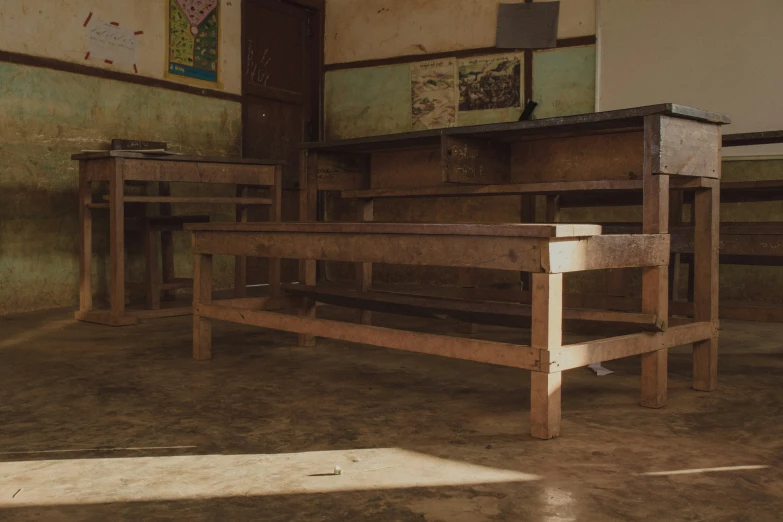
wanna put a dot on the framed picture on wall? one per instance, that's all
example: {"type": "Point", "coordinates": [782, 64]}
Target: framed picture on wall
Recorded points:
{"type": "Point", "coordinates": [193, 42]}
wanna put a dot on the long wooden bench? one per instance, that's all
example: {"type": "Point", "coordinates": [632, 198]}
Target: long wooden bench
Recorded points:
{"type": "Point", "coordinates": [546, 250]}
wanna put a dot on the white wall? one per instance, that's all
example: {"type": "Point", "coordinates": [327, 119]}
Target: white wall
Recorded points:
{"type": "Point", "coordinates": [55, 29]}
{"type": "Point", "coordinates": [719, 55]}
{"type": "Point", "coordinates": [370, 29]}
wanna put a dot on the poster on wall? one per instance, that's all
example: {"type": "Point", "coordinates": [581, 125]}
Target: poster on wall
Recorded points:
{"type": "Point", "coordinates": [433, 94]}
{"type": "Point", "coordinates": [193, 41]}
{"type": "Point", "coordinates": [490, 88]}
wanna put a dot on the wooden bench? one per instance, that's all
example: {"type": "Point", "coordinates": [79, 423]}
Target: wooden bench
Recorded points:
{"type": "Point", "coordinates": [547, 250]}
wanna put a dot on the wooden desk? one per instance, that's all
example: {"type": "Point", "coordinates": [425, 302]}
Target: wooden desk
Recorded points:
{"type": "Point", "coordinates": [116, 168]}
{"type": "Point", "coordinates": [641, 151]}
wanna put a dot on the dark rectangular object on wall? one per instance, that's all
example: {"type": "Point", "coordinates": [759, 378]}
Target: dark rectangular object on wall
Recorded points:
{"type": "Point", "coordinates": [475, 160]}
{"type": "Point", "coordinates": [120, 144]}
{"type": "Point", "coordinates": [527, 26]}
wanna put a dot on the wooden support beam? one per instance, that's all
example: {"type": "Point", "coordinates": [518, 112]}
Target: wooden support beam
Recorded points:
{"type": "Point", "coordinates": [582, 354]}
{"type": "Point", "coordinates": [275, 216]}
{"type": "Point", "coordinates": [85, 241]}
{"type": "Point", "coordinates": [503, 354]}
{"type": "Point", "coordinates": [204, 200]}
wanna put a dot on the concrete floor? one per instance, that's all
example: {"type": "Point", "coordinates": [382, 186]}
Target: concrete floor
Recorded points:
{"type": "Point", "coordinates": [103, 424]}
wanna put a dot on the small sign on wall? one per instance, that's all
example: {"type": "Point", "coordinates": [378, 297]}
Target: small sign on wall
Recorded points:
{"type": "Point", "coordinates": [111, 44]}
{"type": "Point", "coordinates": [193, 42]}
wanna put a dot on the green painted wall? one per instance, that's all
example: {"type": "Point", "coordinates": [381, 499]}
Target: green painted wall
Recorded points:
{"type": "Point", "coordinates": [45, 116]}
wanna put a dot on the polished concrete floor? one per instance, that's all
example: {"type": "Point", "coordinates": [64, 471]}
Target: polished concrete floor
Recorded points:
{"type": "Point", "coordinates": [111, 424]}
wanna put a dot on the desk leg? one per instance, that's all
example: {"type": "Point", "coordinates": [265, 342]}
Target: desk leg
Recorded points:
{"type": "Point", "coordinates": [240, 262]}
{"type": "Point", "coordinates": [202, 294]}
{"type": "Point", "coordinates": [167, 244]}
{"type": "Point", "coordinates": [547, 334]}
{"type": "Point", "coordinates": [276, 216]}
{"type": "Point", "coordinates": [705, 353]}
{"type": "Point", "coordinates": [117, 242]}
{"type": "Point", "coordinates": [85, 242]}
{"type": "Point", "coordinates": [527, 215]}
{"type": "Point", "coordinates": [655, 286]}
{"type": "Point", "coordinates": [308, 308]}
{"type": "Point", "coordinates": [364, 270]}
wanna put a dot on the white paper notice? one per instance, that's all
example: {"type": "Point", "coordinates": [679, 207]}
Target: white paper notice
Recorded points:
{"type": "Point", "coordinates": [111, 43]}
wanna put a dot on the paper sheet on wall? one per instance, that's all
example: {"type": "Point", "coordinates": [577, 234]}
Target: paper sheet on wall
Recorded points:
{"type": "Point", "coordinates": [433, 94]}
{"type": "Point", "coordinates": [111, 43]}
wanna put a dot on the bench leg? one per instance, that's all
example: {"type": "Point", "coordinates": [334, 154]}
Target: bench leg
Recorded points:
{"type": "Point", "coordinates": [467, 281]}
{"type": "Point", "coordinates": [545, 404]}
{"type": "Point", "coordinates": [85, 242]}
{"type": "Point", "coordinates": [546, 334]}
{"type": "Point", "coordinates": [308, 307]}
{"type": "Point", "coordinates": [202, 294]}
{"type": "Point", "coordinates": [365, 214]}
{"type": "Point", "coordinates": [153, 270]}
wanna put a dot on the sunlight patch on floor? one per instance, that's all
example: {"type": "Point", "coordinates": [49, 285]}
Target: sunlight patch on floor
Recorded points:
{"type": "Point", "coordinates": [91, 481]}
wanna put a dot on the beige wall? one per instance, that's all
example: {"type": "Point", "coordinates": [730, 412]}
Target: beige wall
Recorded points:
{"type": "Point", "coordinates": [720, 55]}
{"type": "Point", "coordinates": [55, 29]}
{"type": "Point", "coordinates": [370, 29]}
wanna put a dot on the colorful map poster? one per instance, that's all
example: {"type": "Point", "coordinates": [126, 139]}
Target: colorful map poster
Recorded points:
{"type": "Point", "coordinates": [433, 94]}
{"type": "Point", "coordinates": [194, 39]}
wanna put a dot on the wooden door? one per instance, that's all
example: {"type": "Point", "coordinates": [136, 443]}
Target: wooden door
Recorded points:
{"type": "Point", "coordinates": [282, 55]}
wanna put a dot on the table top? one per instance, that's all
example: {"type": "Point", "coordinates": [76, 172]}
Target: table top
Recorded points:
{"type": "Point", "coordinates": [591, 123]}
{"type": "Point", "coordinates": [172, 157]}
{"type": "Point", "coordinates": [537, 230]}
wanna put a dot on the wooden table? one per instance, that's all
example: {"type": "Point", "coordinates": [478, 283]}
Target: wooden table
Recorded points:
{"type": "Point", "coordinates": [641, 151]}
{"type": "Point", "coordinates": [116, 168]}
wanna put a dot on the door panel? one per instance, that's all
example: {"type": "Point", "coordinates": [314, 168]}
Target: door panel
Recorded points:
{"type": "Point", "coordinates": [281, 84]}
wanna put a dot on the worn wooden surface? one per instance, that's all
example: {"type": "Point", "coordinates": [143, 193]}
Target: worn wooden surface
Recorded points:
{"type": "Point", "coordinates": [685, 147]}
{"type": "Point", "coordinates": [475, 160]}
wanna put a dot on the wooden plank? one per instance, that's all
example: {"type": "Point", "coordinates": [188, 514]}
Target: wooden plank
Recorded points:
{"type": "Point", "coordinates": [522, 230]}
{"type": "Point", "coordinates": [503, 354]}
{"type": "Point", "coordinates": [613, 186]}
{"type": "Point", "coordinates": [685, 147]}
{"type": "Point", "coordinates": [582, 158]}
{"type": "Point", "coordinates": [160, 313]}
{"type": "Point", "coordinates": [552, 209]}
{"type": "Point", "coordinates": [503, 253]}
{"type": "Point", "coordinates": [202, 296]}
{"type": "Point", "coordinates": [205, 200]}
{"type": "Point", "coordinates": [175, 158]}
{"type": "Point", "coordinates": [484, 312]}
{"type": "Point", "coordinates": [475, 160]}
{"type": "Point", "coordinates": [546, 334]}
{"type": "Point", "coordinates": [343, 172]}
{"type": "Point", "coordinates": [602, 252]}
{"type": "Point", "coordinates": [283, 302]}
{"type": "Point", "coordinates": [165, 169]}
{"type": "Point", "coordinates": [770, 245]}
{"type": "Point", "coordinates": [581, 354]}
{"type": "Point", "coordinates": [406, 168]}
{"type": "Point", "coordinates": [467, 278]}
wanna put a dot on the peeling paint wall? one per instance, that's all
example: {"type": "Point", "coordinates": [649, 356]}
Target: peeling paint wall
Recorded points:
{"type": "Point", "coordinates": [47, 115]}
